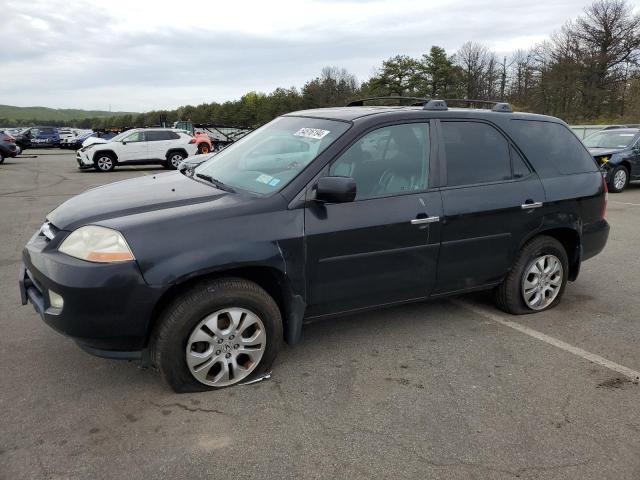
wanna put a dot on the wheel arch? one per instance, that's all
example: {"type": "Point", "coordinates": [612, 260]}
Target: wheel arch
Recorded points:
{"type": "Point", "coordinates": [100, 152]}
{"type": "Point", "coordinates": [176, 150]}
{"type": "Point", "coordinates": [572, 243]}
{"type": "Point", "coordinates": [272, 280]}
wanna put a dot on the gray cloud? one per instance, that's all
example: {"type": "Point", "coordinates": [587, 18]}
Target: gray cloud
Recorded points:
{"type": "Point", "coordinates": [92, 55]}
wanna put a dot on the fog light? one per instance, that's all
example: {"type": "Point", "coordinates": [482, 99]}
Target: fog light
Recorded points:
{"type": "Point", "coordinates": [55, 300]}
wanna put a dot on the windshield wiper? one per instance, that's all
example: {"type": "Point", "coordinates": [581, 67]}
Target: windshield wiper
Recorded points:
{"type": "Point", "coordinates": [216, 183]}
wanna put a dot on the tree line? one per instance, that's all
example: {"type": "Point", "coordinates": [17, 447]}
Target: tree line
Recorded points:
{"type": "Point", "coordinates": [587, 72]}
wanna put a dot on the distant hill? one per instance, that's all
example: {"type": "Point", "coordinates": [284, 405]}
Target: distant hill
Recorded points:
{"type": "Point", "coordinates": [52, 114]}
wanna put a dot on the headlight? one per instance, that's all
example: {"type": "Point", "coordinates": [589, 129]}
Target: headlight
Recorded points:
{"type": "Point", "coordinates": [97, 244]}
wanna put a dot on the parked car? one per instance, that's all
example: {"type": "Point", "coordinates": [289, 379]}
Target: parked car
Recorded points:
{"type": "Point", "coordinates": [38, 137]}
{"type": "Point", "coordinates": [138, 147]}
{"type": "Point", "coordinates": [75, 142]}
{"type": "Point", "coordinates": [8, 146]}
{"type": "Point", "coordinates": [203, 141]}
{"type": "Point", "coordinates": [618, 153]}
{"type": "Point", "coordinates": [205, 275]}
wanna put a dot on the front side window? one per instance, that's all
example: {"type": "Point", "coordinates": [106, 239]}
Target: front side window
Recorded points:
{"type": "Point", "coordinates": [134, 137]}
{"type": "Point", "coordinates": [268, 158]}
{"type": "Point", "coordinates": [475, 153]}
{"type": "Point", "coordinates": [389, 161]}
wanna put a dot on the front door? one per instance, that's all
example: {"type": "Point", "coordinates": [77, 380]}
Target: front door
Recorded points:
{"type": "Point", "coordinates": [134, 147]}
{"type": "Point", "coordinates": [382, 247]}
{"type": "Point", "coordinates": [492, 201]}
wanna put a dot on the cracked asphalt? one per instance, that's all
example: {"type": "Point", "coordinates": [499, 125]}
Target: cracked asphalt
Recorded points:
{"type": "Point", "coordinates": [431, 390]}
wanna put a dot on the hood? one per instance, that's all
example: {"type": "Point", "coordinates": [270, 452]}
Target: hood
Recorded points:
{"type": "Point", "coordinates": [129, 197]}
{"type": "Point", "coordinates": [598, 152]}
{"type": "Point", "coordinates": [92, 140]}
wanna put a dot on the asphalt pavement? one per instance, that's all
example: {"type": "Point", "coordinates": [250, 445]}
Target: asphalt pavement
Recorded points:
{"type": "Point", "coordinates": [451, 389]}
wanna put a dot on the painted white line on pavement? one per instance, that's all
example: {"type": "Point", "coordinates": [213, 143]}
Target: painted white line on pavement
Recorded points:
{"type": "Point", "coordinates": [592, 357]}
{"type": "Point", "coordinates": [626, 203]}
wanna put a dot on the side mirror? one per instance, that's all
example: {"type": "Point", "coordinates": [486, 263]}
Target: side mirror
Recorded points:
{"type": "Point", "coordinates": [336, 189]}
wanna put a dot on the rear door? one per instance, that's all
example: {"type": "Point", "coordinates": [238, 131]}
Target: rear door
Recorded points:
{"type": "Point", "coordinates": [382, 247]}
{"type": "Point", "coordinates": [159, 142]}
{"type": "Point", "coordinates": [491, 202]}
{"type": "Point", "coordinates": [134, 148]}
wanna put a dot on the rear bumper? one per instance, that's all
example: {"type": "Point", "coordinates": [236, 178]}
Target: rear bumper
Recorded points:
{"type": "Point", "coordinates": [9, 150]}
{"type": "Point", "coordinates": [594, 238]}
{"type": "Point", "coordinates": [107, 307]}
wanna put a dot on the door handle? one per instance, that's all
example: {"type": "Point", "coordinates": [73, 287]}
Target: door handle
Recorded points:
{"type": "Point", "coordinates": [420, 221]}
{"type": "Point", "coordinates": [530, 205]}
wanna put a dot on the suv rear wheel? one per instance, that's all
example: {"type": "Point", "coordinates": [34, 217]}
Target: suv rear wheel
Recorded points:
{"type": "Point", "coordinates": [174, 159]}
{"type": "Point", "coordinates": [537, 280]}
{"type": "Point", "coordinates": [217, 334]}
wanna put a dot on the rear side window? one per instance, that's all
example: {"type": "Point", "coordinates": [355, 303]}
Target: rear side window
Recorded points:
{"type": "Point", "coordinates": [552, 148]}
{"type": "Point", "coordinates": [156, 135]}
{"type": "Point", "coordinates": [475, 153]}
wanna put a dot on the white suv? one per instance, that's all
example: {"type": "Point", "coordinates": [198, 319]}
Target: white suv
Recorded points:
{"type": "Point", "coordinates": [140, 146]}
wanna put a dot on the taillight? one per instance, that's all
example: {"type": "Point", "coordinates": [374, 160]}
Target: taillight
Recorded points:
{"type": "Point", "coordinates": [8, 138]}
{"type": "Point", "coordinates": [606, 198]}
{"type": "Point", "coordinates": [193, 140]}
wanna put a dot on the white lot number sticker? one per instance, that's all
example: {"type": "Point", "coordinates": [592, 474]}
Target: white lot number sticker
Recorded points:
{"type": "Point", "coordinates": [316, 133]}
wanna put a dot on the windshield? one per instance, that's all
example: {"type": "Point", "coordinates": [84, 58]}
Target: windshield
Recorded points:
{"type": "Point", "coordinates": [120, 136]}
{"type": "Point", "coordinates": [609, 140]}
{"type": "Point", "coordinates": [269, 158]}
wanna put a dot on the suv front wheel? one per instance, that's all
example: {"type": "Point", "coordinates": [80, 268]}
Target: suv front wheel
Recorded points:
{"type": "Point", "coordinates": [537, 280]}
{"type": "Point", "coordinates": [104, 162]}
{"type": "Point", "coordinates": [217, 334]}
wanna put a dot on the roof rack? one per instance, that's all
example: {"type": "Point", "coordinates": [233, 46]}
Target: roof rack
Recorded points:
{"type": "Point", "coordinates": [496, 106]}
{"type": "Point", "coordinates": [417, 101]}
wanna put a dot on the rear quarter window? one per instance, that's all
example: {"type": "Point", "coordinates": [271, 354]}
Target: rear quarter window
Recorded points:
{"type": "Point", "coordinates": [552, 148]}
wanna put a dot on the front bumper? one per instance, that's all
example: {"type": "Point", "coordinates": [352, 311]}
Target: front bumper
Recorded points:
{"type": "Point", "coordinates": [107, 307]}
{"type": "Point", "coordinates": [83, 160]}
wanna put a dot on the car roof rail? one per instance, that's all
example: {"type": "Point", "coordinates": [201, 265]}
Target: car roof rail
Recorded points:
{"type": "Point", "coordinates": [417, 101]}
{"type": "Point", "coordinates": [439, 105]}
{"type": "Point", "coordinates": [495, 106]}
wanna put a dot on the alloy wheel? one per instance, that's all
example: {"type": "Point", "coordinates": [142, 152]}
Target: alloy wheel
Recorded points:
{"type": "Point", "coordinates": [105, 163]}
{"type": "Point", "coordinates": [176, 160]}
{"type": "Point", "coordinates": [542, 281]}
{"type": "Point", "coordinates": [620, 179]}
{"type": "Point", "coordinates": [226, 346]}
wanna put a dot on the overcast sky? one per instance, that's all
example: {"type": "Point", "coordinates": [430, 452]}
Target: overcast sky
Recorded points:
{"type": "Point", "coordinates": [140, 55]}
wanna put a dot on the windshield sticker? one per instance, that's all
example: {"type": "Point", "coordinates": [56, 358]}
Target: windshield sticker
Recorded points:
{"type": "Point", "coordinates": [264, 178]}
{"type": "Point", "coordinates": [274, 182]}
{"type": "Point", "coordinates": [316, 133]}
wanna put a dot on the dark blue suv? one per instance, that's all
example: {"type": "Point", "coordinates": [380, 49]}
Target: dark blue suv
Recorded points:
{"type": "Point", "coordinates": [37, 137]}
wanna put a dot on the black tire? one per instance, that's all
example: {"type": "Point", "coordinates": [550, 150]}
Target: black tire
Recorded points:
{"type": "Point", "coordinates": [619, 170]}
{"type": "Point", "coordinates": [104, 162]}
{"type": "Point", "coordinates": [176, 323]}
{"type": "Point", "coordinates": [1, 158]}
{"type": "Point", "coordinates": [174, 159]}
{"type": "Point", "coordinates": [509, 294]}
